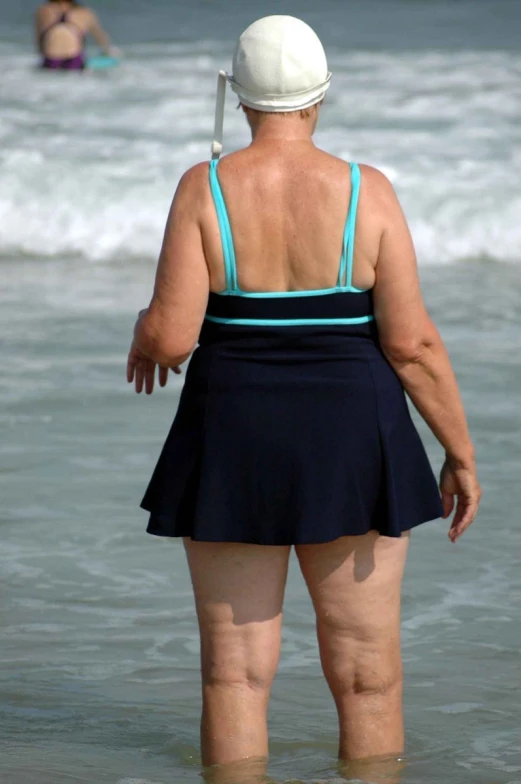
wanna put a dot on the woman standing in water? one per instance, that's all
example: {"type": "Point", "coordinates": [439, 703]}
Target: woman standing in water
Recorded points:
{"type": "Point", "coordinates": [62, 27]}
{"type": "Point", "coordinates": [296, 274]}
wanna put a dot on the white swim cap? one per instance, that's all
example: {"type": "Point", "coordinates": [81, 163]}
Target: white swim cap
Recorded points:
{"type": "Point", "coordinates": [279, 65]}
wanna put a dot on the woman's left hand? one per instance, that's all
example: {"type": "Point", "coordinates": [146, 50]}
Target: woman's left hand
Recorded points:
{"type": "Point", "coordinates": [141, 370]}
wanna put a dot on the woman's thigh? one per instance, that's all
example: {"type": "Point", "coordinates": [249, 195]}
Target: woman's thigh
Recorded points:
{"type": "Point", "coordinates": [239, 592]}
{"type": "Point", "coordinates": [355, 585]}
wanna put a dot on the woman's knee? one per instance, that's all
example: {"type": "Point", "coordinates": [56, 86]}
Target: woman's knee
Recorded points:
{"type": "Point", "coordinates": [239, 658]}
{"type": "Point", "coordinates": [236, 681]}
{"type": "Point", "coordinates": [239, 591]}
{"type": "Point", "coordinates": [372, 669]}
{"type": "Point", "coordinates": [219, 676]}
{"type": "Point", "coordinates": [360, 656]}
{"type": "Point", "coordinates": [378, 679]}
{"type": "Point", "coordinates": [355, 587]}
{"type": "Point", "coordinates": [238, 666]}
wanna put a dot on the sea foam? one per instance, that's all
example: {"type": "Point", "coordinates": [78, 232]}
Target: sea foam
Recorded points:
{"type": "Point", "coordinates": [88, 167]}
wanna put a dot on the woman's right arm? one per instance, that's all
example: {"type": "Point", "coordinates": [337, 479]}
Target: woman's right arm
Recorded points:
{"type": "Point", "coordinates": [416, 351]}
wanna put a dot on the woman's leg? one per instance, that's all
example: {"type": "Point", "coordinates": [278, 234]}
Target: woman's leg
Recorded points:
{"type": "Point", "coordinates": [239, 590]}
{"type": "Point", "coordinates": [355, 586]}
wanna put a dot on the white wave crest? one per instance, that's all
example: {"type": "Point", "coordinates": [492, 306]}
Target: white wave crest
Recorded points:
{"type": "Point", "coordinates": [88, 166]}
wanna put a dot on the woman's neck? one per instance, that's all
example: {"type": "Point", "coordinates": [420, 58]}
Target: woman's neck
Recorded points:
{"type": "Point", "coordinates": [281, 129]}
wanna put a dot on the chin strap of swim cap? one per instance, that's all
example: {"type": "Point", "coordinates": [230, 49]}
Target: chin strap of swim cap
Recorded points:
{"type": "Point", "coordinates": [217, 144]}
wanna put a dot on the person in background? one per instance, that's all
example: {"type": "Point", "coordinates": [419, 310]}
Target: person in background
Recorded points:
{"type": "Point", "coordinates": [61, 28]}
{"type": "Point", "coordinates": [295, 272]}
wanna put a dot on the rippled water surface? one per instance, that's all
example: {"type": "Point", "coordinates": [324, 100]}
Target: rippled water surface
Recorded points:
{"type": "Point", "coordinates": [99, 673]}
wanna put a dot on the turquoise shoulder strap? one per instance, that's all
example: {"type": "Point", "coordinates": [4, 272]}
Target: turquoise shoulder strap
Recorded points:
{"type": "Point", "coordinates": [345, 276]}
{"type": "Point", "coordinates": [230, 266]}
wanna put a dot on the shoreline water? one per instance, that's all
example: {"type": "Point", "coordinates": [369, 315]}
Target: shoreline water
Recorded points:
{"type": "Point", "coordinates": [100, 661]}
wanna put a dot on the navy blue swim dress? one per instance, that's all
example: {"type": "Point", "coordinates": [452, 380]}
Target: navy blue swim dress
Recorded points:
{"type": "Point", "coordinates": [292, 427]}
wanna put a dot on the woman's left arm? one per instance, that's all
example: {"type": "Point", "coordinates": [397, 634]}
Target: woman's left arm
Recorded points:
{"type": "Point", "coordinates": [99, 35]}
{"type": "Point", "coordinates": [166, 332]}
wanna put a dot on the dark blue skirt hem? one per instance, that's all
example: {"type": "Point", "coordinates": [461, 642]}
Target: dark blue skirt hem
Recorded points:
{"type": "Point", "coordinates": [163, 528]}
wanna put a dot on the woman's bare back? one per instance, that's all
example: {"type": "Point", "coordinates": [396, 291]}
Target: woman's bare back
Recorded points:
{"type": "Point", "coordinates": [288, 207]}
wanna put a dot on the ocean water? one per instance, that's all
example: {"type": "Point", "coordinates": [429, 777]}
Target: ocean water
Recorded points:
{"type": "Point", "coordinates": [99, 673]}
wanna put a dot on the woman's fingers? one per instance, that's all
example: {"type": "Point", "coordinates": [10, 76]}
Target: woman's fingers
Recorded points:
{"type": "Point", "coordinates": [462, 484]}
{"type": "Point", "coordinates": [140, 375]}
{"type": "Point", "coordinates": [131, 367]}
{"type": "Point", "coordinates": [163, 376]}
{"type": "Point", "coordinates": [142, 372]}
{"type": "Point", "coordinates": [466, 511]}
{"type": "Point", "coordinates": [447, 500]}
{"type": "Point", "coordinates": [150, 376]}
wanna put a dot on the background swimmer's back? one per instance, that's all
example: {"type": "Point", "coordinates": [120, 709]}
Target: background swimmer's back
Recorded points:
{"type": "Point", "coordinates": [54, 39]}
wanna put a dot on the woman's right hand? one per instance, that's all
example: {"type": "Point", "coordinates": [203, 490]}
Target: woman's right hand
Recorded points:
{"type": "Point", "coordinates": [462, 482]}
{"type": "Point", "coordinates": [141, 371]}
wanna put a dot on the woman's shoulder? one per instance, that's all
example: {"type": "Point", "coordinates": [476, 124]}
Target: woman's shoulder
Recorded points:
{"type": "Point", "coordinates": [49, 9]}
{"type": "Point", "coordinates": [82, 12]}
{"type": "Point", "coordinates": [374, 181]}
{"type": "Point", "coordinates": [195, 176]}
{"type": "Point", "coordinates": [42, 10]}
{"type": "Point", "coordinates": [375, 176]}
{"type": "Point", "coordinates": [192, 189]}
{"type": "Point", "coordinates": [376, 185]}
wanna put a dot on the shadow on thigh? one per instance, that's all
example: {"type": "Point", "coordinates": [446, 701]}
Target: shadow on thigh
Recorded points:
{"type": "Point", "coordinates": [239, 592]}
{"type": "Point", "coordinates": [244, 582]}
{"type": "Point", "coordinates": [355, 585]}
{"type": "Point", "coordinates": [354, 570]}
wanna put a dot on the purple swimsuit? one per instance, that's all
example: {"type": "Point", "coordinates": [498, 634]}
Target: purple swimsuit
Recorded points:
{"type": "Point", "coordinates": [76, 63]}
{"type": "Point", "coordinates": [70, 64]}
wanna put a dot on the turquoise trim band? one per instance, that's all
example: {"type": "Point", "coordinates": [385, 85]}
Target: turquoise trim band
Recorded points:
{"type": "Point", "coordinates": [289, 322]}
{"type": "Point", "coordinates": [230, 265]}
{"type": "Point", "coordinates": [355, 193]}
{"type": "Point", "coordinates": [288, 294]}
